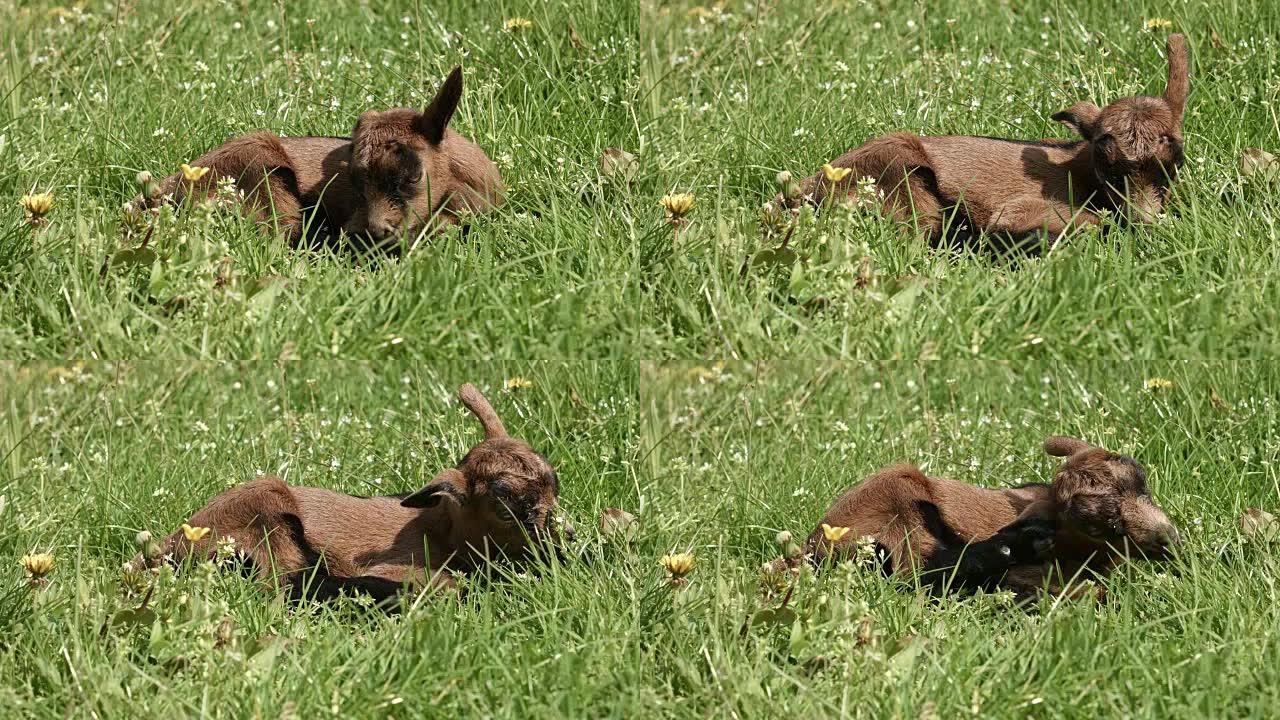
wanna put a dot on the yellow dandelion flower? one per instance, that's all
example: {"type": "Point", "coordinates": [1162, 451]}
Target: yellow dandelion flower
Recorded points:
{"type": "Point", "coordinates": [37, 565]}
{"type": "Point", "coordinates": [517, 23]}
{"type": "Point", "coordinates": [194, 534]}
{"type": "Point", "coordinates": [678, 564]}
{"type": "Point", "coordinates": [37, 204]}
{"type": "Point", "coordinates": [677, 204]}
{"type": "Point", "coordinates": [519, 383]}
{"type": "Point", "coordinates": [833, 534]}
{"type": "Point", "coordinates": [700, 12]}
{"type": "Point", "coordinates": [1159, 24]}
{"type": "Point", "coordinates": [1158, 383]}
{"type": "Point", "coordinates": [835, 174]}
{"type": "Point", "coordinates": [193, 173]}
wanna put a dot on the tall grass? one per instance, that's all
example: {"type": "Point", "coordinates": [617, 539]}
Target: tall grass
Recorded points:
{"type": "Point", "coordinates": [715, 388]}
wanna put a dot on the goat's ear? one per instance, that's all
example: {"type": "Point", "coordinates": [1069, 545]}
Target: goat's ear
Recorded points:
{"type": "Point", "coordinates": [1063, 446]}
{"type": "Point", "coordinates": [448, 485]}
{"type": "Point", "coordinates": [1080, 117]}
{"type": "Point", "coordinates": [432, 122]}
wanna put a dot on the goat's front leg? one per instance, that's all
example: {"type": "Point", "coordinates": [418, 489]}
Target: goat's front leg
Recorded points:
{"type": "Point", "coordinates": [316, 584]}
{"type": "Point", "coordinates": [1028, 215]}
{"type": "Point", "coordinates": [983, 564]}
{"type": "Point", "coordinates": [1029, 582]}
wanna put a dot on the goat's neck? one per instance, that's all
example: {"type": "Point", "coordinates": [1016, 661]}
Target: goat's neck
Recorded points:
{"type": "Point", "coordinates": [1033, 499]}
{"type": "Point", "coordinates": [435, 527]}
{"type": "Point", "coordinates": [1077, 161]}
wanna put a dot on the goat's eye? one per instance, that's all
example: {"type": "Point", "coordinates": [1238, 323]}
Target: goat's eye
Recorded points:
{"type": "Point", "coordinates": [504, 512]}
{"type": "Point", "coordinates": [1106, 528]}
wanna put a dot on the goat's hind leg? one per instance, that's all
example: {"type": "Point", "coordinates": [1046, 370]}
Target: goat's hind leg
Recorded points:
{"type": "Point", "coordinates": [262, 171]}
{"type": "Point", "coordinates": [904, 175]}
{"type": "Point", "coordinates": [904, 180]}
{"type": "Point", "coordinates": [261, 519]}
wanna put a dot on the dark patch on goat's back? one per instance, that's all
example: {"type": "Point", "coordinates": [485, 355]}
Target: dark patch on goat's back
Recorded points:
{"type": "Point", "coordinates": [1048, 143]}
{"type": "Point", "coordinates": [315, 137]}
{"type": "Point", "coordinates": [933, 523]}
{"type": "Point", "coordinates": [298, 534]}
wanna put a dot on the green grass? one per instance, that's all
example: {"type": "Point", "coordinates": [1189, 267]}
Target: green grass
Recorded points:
{"type": "Point", "coordinates": [743, 94]}
{"type": "Point", "coordinates": [719, 406]}
{"type": "Point", "coordinates": [100, 453]}
{"type": "Point", "coordinates": [747, 450]}
{"type": "Point", "coordinates": [91, 102]}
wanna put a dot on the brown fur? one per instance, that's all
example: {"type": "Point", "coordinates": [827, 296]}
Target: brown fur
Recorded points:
{"type": "Point", "coordinates": [498, 499]}
{"type": "Point", "coordinates": [1097, 508]}
{"type": "Point", "coordinates": [400, 172]}
{"type": "Point", "coordinates": [410, 167]}
{"type": "Point", "coordinates": [1129, 154]}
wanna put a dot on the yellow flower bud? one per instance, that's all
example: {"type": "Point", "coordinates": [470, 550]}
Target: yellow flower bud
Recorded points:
{"type": "Point", "coordinates": [37, 204]}
{"type": "Point", "coordinates": [194, 534]}
{"type": "Point", "coordinates": [677, 204]}
{"type": "Point", "coordinates": [835, 174]}
{"type": "Point", "coordinates": [833, 534]}
{"type": "Point", "coordinates": [193, 172]}
{"type": "Point", "coordinates": [678, 564]}
{"type": "Point", "coordinates": [37, 565]}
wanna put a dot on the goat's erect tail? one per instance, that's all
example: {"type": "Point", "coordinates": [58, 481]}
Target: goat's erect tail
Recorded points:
{"type": "Point", "coordinates": [1179, 83]}
{"type": "Point", "coordinates": [480, 407]}
{"type": "Point", "coordinates": [1063, 446]}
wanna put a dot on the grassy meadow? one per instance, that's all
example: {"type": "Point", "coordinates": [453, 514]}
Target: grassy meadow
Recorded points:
{"type": "Point", "coordinates": [100, 453]}
{"type": "Point", "coordinates": [742, 91]}
{"type": "Point", "coordinates": [753, 449]}
{"type": "Point", "coordinates": [95, 94]}
{"type": "Point", "coordinates": [717, 388]}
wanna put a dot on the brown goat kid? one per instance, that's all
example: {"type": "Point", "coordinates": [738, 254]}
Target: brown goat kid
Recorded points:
{"type": "Point", "coordinates": [1128, 155]}
{"type": "Point", "coordinates": [398, 172]}
{"type": "Point", "coordinates": [321, 543]}
{"type": "Point", "coordinates": [958, 536]}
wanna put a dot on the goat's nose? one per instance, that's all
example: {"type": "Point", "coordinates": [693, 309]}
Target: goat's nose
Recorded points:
{"type": "Point", "coordinates": [1165, 540]}
{"type": "Point", "coordinates": [569, 533]}
{"type": "Point", "coordinates": [380, 229]}
{"type": "Point", "coordinates": [1169, 537]}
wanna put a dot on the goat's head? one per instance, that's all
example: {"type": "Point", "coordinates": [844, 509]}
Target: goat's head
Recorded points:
{"type": "Point", "coordinates": [402, 165]}
{"type": "Point", "coordinates": [502, 495]}
{"type": "Point", "coordinates": [1103, 497]}
{"type": "Point", "coordinates": [1136, 142]}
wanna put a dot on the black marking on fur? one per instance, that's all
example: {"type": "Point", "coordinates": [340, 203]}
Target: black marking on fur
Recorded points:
{"type": "Point", "coordinates": [936, 526]}
{"type": "Point", "coordinates": [1048, 143]}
